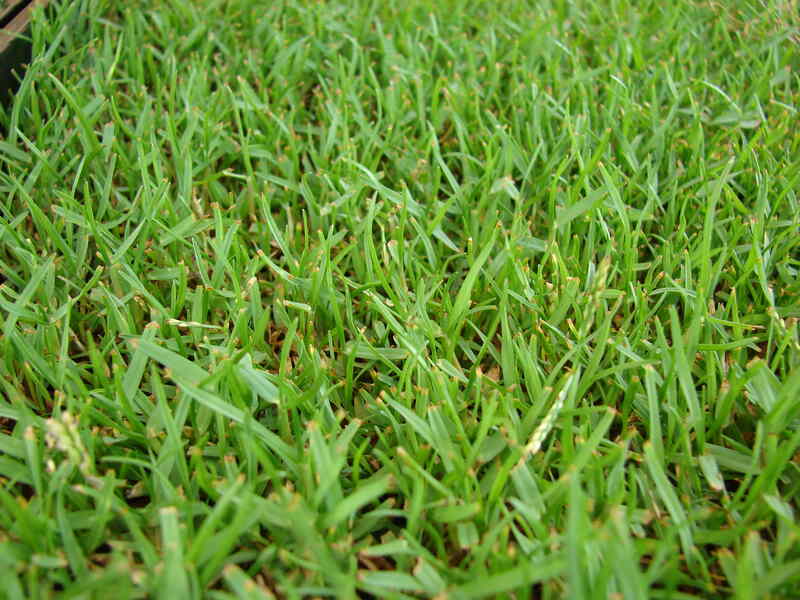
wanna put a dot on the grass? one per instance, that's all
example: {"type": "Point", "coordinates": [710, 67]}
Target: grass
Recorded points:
{"type": "Point", "coordinates": [395, 299]}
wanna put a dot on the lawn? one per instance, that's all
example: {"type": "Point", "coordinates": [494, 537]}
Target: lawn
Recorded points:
{"type": "Point", "coordinates": [402, 299]}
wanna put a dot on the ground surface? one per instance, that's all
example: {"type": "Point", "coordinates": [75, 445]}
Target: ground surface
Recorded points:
{"type": "Point", "coordinates": [404, 299]}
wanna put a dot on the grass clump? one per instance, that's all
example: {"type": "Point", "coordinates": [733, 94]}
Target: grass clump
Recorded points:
{"type": "Point", "coordinates": [402, 299]}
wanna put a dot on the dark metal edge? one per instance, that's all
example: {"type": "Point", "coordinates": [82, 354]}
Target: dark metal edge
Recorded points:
{"type": "Point", "coordinates": [15, 48]}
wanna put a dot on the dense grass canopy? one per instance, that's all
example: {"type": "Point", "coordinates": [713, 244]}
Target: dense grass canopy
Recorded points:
{"type": "Point", "coordinates": [450, 299]}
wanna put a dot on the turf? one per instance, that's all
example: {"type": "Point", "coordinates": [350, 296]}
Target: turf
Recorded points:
{"type": "Point", "coordinates": [397, 299]}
